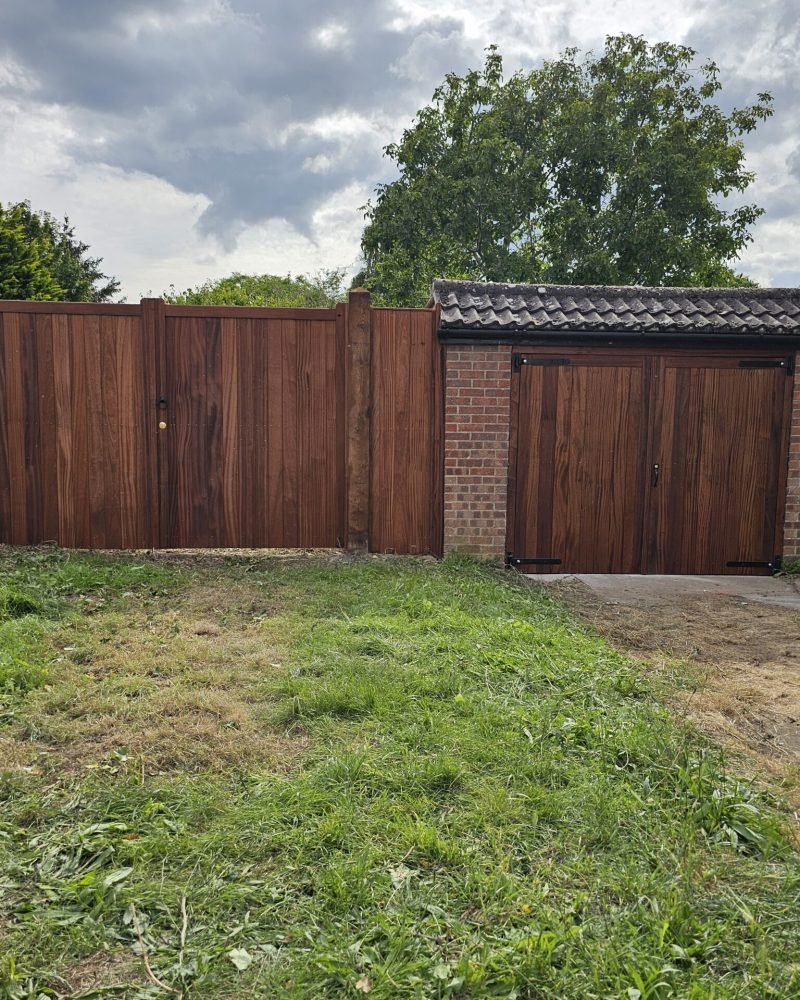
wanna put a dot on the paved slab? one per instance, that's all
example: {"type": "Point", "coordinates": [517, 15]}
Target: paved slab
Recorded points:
{"type": "Point", "coordinates": [645, 591]}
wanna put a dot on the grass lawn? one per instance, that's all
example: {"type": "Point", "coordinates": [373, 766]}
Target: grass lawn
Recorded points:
{"type": "Point", "coordinates": [319, 779]}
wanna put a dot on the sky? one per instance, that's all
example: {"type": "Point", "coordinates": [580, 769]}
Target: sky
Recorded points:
{"type": "Point", "coordinates": [187, 139]}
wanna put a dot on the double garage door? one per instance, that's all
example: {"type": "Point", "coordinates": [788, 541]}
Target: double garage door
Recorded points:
{"type": "Point", "coordinates": [642, 463]}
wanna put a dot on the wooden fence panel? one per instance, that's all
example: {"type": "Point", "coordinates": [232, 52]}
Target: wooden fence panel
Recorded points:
{"type": "Point", "coordinates": [283, 428]}
{"type": "Point", "coordinates": [76, 442]}
{"type": "Point", "coordinates": [406, 433]}
{"type": "Point", "coordinates": [255, 431]}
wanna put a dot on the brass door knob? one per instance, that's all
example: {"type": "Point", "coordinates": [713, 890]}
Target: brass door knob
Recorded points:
{"type": "Point", "coordinates": [162, 426]}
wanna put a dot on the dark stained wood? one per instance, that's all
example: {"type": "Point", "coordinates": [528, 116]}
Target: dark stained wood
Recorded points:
{"type": "Point", "coordinates": [246, 312]}
{"type": "Point", "coordinates": [68, 308]}
{"type": "Point", "coordinates": [153, 329]}
{"type": "Point", "coordinates": [230, 438]}
{"type": "Point", "coordinates": [74, 462]}
{"type": "Point", "coordinates": [585, 438]}
{"type": "Point", "coordinates": [407, 413]}
{"type": "Point", "coordinates": [255, 453]}
{"type": "Point", "coordinates": [340, 365]}
{"type": "Point", "coordinates": [18, 431]}
{"type": "Point", "coordinates": [260, 423]}
{"type": "Point", "coordinates": [67, 533]}
{"type": "Point", "coordinates": [287, 428]}
{"type": "Point", "coordinates": [269, 422]}
{"type": "Point", "coordinates": [6, 473]}
{"type": "Point", "coordinates": [359, 399]}
{"type": "Point", "coordinates": [579, 441]}
{"type": "Point", "coordinates": [720, 441]}
{"type": "Point", "coordinates": [270, 431]}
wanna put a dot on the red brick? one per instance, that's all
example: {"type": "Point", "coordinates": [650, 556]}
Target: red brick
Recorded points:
{"type": "Point", "coordinates": [477, 411]}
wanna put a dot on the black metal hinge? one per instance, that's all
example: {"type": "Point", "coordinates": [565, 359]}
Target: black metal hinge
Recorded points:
{"type": "Point", "coordinates": [774, 564]}
{"type": "Point", "coordinates": [512, 560]}
{"type": "Point", "coordinates": [518, 360]}
{"type": "Point", "coordinates": [787, 364]}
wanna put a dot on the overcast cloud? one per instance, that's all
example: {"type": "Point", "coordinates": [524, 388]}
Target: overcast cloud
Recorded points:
{"type": "Point", "coordinates": [190, 138]}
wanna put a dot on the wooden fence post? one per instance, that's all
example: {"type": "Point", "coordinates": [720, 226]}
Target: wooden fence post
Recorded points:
{"type": "Point", "coordinates": [359, 407]}
{"type": "Point", "coordinates": [153, 327]}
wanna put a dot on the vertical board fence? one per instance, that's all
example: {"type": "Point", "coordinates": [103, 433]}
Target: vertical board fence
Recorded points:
{"type": "Point", "coordinates": [406, 433]}
{"type": "Point", "coordinates": [146, 426]}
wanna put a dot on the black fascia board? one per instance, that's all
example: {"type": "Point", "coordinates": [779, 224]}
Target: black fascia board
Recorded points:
{"type": "Point", "coordinates": [617, 338]}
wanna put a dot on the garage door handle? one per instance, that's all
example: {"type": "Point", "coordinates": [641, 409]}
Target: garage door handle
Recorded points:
{"type": "Point", "coordinates": [656, 473]}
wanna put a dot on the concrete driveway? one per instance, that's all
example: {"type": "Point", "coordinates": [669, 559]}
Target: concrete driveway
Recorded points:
{"type": "Point", "coordinates": [727, 646]}
{"type": "Point", "coordinates": [644, 591]}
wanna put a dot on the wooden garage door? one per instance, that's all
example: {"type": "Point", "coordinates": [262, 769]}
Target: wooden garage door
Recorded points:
{"type": "Point", "coordinates": [719, 441]}
{"type": "Point", "coordinates": [580, 463]}
{"type": "Point", "coordinates": [626, 463]}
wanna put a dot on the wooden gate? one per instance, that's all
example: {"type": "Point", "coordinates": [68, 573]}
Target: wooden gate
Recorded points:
{"type": "Point", "coordinates": [253, 451]}
{"type": "Point", "coordinates": [139, 426]}
{"type": "Point", "coordinates": [629, 462]}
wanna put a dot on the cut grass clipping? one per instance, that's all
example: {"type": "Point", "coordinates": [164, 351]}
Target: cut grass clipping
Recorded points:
{"type": "Point", "coordinates": [331, 779]}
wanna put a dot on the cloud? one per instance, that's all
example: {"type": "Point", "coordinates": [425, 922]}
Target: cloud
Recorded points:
{"type": "Point", "coordinates": [756, 47]}
{"type": "Point", "coordinates": [222, 99]}
{"type": "Point", "coordinates": [219, 134]}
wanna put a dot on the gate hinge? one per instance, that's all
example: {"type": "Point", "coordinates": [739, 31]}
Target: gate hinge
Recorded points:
{"type": "Point", "coordinates": [787, 364]}
{"type": "Point", "coordinates": [518, 360]}
{"type": "Point", "coordinates": [512, 560]}
{"type": "Point", "coordinates": [775, 564]}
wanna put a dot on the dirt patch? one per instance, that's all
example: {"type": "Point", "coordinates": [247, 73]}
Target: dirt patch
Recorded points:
{"type": "Point", "coordinates": [743, 681]}
{"type": "Point", "coordinates": [192, 687]}
{"type": "Point", "coordinates": [103, 971]}
{"type": "Point", "coordinates": [14, 755]}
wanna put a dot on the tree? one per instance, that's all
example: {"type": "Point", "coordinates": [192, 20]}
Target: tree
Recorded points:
{"type": "Point", "coordinates": [611, 170]}
{"type": "Point", "coordinates": [43, 259]}
{"type": "Point", "coordinates": [23, 270]}
{"type": "Point", "coordinates": [321, 290]}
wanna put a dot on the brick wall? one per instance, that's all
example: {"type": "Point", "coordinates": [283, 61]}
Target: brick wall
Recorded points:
{"type": "Point", "coordinates": [477, 408]}
{"type": "Point", "coordinates": [791, 540]}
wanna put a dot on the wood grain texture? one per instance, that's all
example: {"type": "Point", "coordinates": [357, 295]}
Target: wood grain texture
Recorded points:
{"type": "Point", "coordinates": [245, 312]}
{"type": "Point", "coordinates": [20, 307]}
{"type": "Point", "coordinates": [254, 443]}
{"type": "Point", "coordinates": [407, 414]}
{"type": "Point", "coordinates": [579, 445]}
{"type": "Point", "coordinates": [720, 441]}
{"type": "Point", "coordinates": [74, 457]}
{"type": "Point", "coordinates": [587, 435]}
{"type": "Point", "coordinates": [359, 347]}
{"type": "Point", "coordinates": [260, 424]}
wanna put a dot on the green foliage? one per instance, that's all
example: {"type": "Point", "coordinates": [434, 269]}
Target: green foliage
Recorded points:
{"type": "Point", "coordinates": [320, 291]}
{"type": "Point", "coordinates": [489, 803]}
{"type": "Point", "coordinates": [41, 258]}
{"type": "Point", "coordinates": [24, 271]}
{"type": "Point", "coordinates": [612, 170]}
